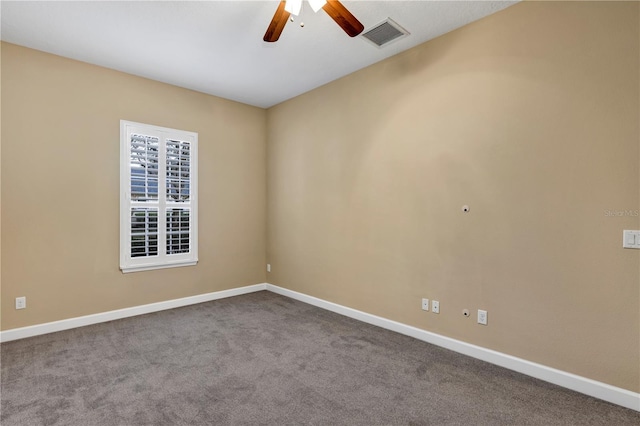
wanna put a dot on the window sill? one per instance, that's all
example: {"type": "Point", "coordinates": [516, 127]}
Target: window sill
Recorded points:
{"type": "Point", "coordinates": [140, 268]}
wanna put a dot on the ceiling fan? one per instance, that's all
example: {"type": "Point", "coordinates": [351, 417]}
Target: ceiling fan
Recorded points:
{"type": "Point", "coordinates": [334, 9]}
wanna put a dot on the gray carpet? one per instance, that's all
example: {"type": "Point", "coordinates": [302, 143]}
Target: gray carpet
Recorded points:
{"type": "Point", "coordinates": [266, 359]}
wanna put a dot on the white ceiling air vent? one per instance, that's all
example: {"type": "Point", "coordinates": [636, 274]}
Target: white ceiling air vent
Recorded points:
{"type": "Point", "coordinates": [385, 32]}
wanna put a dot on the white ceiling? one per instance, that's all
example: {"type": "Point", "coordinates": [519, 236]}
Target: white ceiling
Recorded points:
{"type": "Point", "coordinates": [216, 47]}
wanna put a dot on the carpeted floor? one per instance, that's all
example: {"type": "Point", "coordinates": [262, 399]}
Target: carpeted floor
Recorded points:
{"type": "Point", "coordinates": [266, 359]}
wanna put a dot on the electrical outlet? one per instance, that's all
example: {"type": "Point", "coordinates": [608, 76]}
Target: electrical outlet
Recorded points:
{"type": "Point", "coordinates": [268, 267]}
{"type": "Point", "coordinates": [21, 302]}
{"type": "Point", "coordinates": [435, 306]}
{"type": "Point", "coordinates": [425, 304]}
{"type": "Point", "coordinates": [482, 317]}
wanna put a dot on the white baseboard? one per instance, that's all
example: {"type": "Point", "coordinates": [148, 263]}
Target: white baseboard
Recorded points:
{"type": "Point", "coordinates": [574, 382]}
{"type": "Point", "coordinates": [66, 324]}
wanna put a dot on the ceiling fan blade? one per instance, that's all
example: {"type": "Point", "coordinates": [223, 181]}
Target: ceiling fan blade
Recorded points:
{"type": "Point", "coordinates": [343, 17]}
{"type": "Point", "coordinates": [277, 24]}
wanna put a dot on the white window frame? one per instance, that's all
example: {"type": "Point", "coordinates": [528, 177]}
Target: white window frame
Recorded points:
{"type": "Point", "coordinates": [162, 259]}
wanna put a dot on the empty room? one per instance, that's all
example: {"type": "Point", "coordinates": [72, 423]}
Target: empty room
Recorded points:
{"type": "Point", "coordinates": [320, 212]}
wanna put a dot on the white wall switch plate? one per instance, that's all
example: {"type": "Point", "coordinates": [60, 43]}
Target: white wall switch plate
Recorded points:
{"type": "Point", "coordinates": [425, 304]}
{"type": "Point", "coordinates": [435, 306]}
{"type": "Point", "coordinates": [631, 239]}
{"type": "Point", "coordinates": [482, 317]}
{"type": "Point", "coordinates": [21, 302]}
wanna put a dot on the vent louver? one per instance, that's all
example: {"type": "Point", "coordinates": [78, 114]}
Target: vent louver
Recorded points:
{"type": "Point", "coordinates": [385, 32]}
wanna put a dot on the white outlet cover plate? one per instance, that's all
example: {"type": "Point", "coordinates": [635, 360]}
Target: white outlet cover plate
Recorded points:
{"type": "Point", "coordinates": [425, 304]}
{"type": "Point", "coordinates": [482, 317]}
{"type": "Point", "coordinates": [21, 302]}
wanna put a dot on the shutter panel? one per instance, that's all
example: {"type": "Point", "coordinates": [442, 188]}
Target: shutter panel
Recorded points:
{"type": "Point", "coordinates": [144, 159]}
{"type": "Point", "coordinates": [178, 159]}
{"type": "Point", "coordinates": [144, 232]}
{"type": "Point", "coordinates": [178, 231]}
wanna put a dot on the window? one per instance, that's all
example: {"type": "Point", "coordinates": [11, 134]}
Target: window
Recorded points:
{"type": "Point", "coordinates": [158, 197]}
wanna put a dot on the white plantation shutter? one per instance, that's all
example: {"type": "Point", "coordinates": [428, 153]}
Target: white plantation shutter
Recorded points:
{"type": "Point", "coordinates": [158, 218]}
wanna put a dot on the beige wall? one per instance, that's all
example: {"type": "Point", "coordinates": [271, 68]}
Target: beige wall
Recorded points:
{"type": "Point", "coordinates": [530, 116]}
{"type": "Point", "coordinates": [60, 188]}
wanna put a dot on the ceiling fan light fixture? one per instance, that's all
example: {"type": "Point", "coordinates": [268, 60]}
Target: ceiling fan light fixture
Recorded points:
{"type": "Point", "coordinates": [293, 6]}
{"type": "Point", "coordinates": [316, 5]}
{"type": "Point", "coordinates": [333, 8]}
